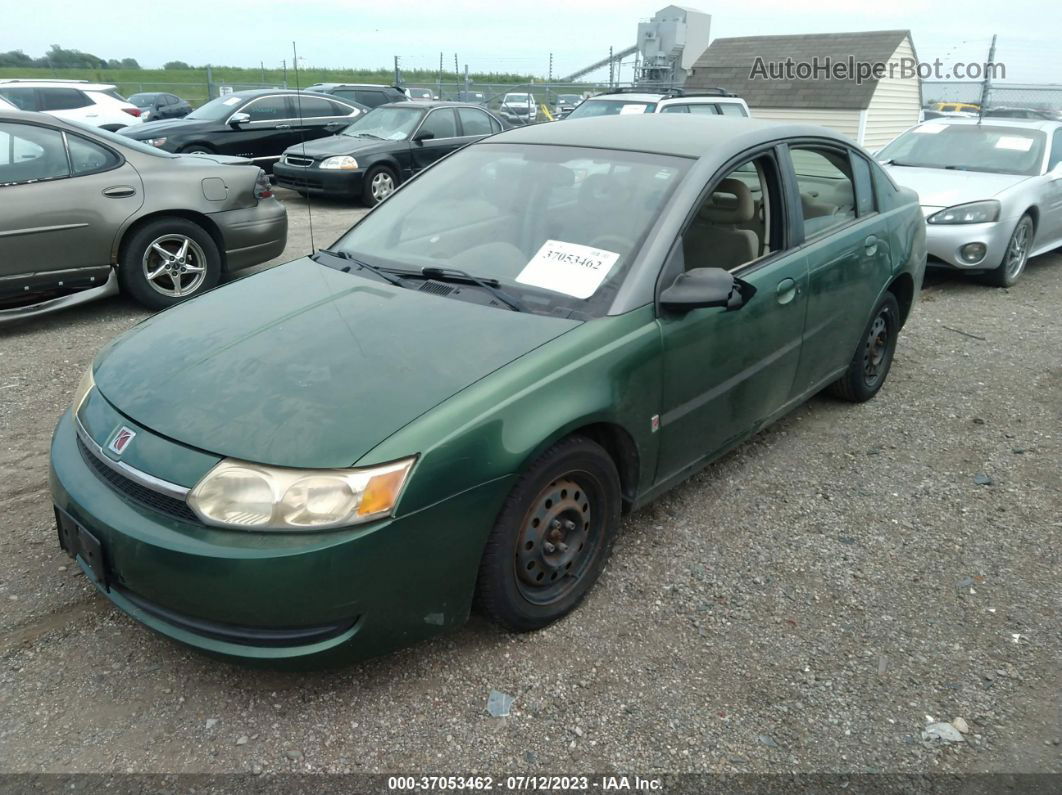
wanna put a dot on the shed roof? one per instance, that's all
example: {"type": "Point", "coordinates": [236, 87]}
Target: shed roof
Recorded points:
{"type": "Point", "coordinates": [728, 63]}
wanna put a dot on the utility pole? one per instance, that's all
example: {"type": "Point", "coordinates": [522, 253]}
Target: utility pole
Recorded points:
{"type": "Point", "coordinates": [611, 69]}
{"type": "Point", "coordinates": [466, 78]}
{"type": "Point", "coordinates": [398, 73]}
{"type": "Point", "coordinates": [987, 85]}
{"type": "Point", "coordinates": [261, 68]}
{"type": "Point", "coordinates": [284, 64]}
{"type": "Point", "coordinates": [457, 76]}
{"type": "Point", "coordinates": [438, 77]}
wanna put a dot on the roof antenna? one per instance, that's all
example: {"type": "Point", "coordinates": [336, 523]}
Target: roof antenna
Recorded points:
{"type": "Point", "coordinates": [302, 136]}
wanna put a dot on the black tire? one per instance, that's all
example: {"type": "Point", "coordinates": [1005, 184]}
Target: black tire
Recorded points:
{"type": "Point", "coordinates": [169, 233]}
{"type": "Point", "coordinates": [1013, 264]}
{"type": "Point", "coordinates": [195, 149]}
{"type": "Point", "coordinates": [873, 356]}
{"type": "Point", "coordinates": [370, 196]}
{"type": "Point", "coordinates": [571, 493]}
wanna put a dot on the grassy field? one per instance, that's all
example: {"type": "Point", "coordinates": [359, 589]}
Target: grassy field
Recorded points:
{"type": "Point", "coordinates": [191, 84]}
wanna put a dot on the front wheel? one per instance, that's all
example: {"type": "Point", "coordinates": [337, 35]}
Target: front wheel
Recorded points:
{"type": "Point", "coordinates": [380, 182]}
{"type": "Point", "coordinates": [167, 261]}
{"type": "Point", "coordinates": [1015, 257]}
{"type": "Point", "coordinates": [552, 538]}
{"type": "Point", "coordinates": [197, 149]}
{"type": "Point", "coordinates": [873, 357]}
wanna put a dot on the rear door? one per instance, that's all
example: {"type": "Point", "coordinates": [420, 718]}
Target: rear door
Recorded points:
{"type": "Point", "coordinates": [62, 199]}
{"type": "Point", "coordinates": [442, 124]}
{"type": "Point", "coordinates": [317, 117]}
{"type": "Point", "coordinates": [846, 242]}
{"type": "Point", "coordinates": [1051, 221]}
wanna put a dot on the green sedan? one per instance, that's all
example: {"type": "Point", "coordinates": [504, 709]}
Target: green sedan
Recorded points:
{"type": "Point", "coordinates": [452, 405]}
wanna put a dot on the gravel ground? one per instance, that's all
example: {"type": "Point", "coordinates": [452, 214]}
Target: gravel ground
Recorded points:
{"type": "Point", "coordinates": [806, 604]}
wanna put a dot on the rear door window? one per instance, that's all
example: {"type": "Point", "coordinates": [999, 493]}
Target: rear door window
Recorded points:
{"type": "Point", "coordinates": [732, 109]}
{"type": "Point", "coordinates": [474, 122]}
{"type": "Point", "coordinates": [369, 97]}
{"type": "Point", "coordinates": [63, 99]}
{"type": "Point", "coordinates": [88, 157]}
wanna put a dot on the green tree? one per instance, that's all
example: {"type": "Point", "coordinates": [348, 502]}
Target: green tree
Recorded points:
{"type": "Point", "coordinates": [15, 58]}
{"type": "Point", "coordinates": [175, 65]}
{"type": "Point", "coordinates": [130, 63]}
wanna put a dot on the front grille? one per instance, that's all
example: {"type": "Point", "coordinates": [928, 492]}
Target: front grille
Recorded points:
{"type": "Point", "coordinates": [171, 506]}
{"type": "Point", "coordinates": [302, 162]}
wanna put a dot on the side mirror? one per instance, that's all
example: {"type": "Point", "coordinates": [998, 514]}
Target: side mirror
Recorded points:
{"type": "Point", "coordinates": [706, 287]}
{"type": "Point", "coordinates": [423, 135]}
{"type": "Point", "coordinates": [236, 119]}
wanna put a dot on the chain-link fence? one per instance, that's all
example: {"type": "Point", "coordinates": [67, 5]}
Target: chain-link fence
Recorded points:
{"type": "Point", "coordinates": [1038, 98]}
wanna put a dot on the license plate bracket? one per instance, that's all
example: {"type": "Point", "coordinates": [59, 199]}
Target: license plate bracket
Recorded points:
{"type": "Point", "coordinates": [77, 542]}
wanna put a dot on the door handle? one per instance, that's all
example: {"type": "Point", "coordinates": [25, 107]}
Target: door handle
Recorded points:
{"type": "Point", "coordinates": [786, 291]}
{"type": "Point", "coordinates": [283, 126]}
{"type": "Point", "coordinates": [119, 191]}
{"type": "Point", "coordinates": [870, 244]}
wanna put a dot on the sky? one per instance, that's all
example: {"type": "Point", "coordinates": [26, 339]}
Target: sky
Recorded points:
{"type": "Point", "coordinates": [508, 35]}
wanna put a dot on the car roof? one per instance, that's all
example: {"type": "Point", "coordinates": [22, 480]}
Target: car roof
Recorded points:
{"type": "Point", "coordinates": [265, 92]}
{"type": "Point", "coordinates": [1000, 121]}
{"type": "Point", "coordinates": [663, 133]}
{"type": "Point", "coordinates": [432, 103]}
{"type": "Point", "coordinates": [84, 86]}
{"type": "Point", "coordinates": [356, 85]}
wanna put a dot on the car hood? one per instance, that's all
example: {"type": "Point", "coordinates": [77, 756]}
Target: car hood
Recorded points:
{"type": "Point", "coordinates": [342, 145]}
{"type": "Point", "coordinates": [938, 187]}
{"type": "Point", "coordinates": [305, 366]}
{"type": "Point", "coordinates": [163, 127]}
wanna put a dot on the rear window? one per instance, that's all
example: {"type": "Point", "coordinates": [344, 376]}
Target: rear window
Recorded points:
{"type": "Point", "coordinates": [610, 107]}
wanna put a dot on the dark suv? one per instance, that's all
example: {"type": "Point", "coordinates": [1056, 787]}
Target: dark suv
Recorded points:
{"type": "Point", "coordinates": [362, 93]}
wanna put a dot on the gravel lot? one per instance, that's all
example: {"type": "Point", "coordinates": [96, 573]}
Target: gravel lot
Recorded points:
{"type": "Point", "coordinates": [803, 605]}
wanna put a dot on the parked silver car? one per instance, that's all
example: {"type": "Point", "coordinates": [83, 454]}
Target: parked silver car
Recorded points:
{"type": "Point", "coordinates": [991, 191]}
{"type": "Point", "coordinates": [84, 211]}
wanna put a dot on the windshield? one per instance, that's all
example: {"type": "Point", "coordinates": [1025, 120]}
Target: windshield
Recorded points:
{"type": "Point", "coordinates": [516, 98]}
{"type": "Point", "coordinates": [216, 109]}
{"type": "Point", "coordinates": [558, 227]}
{"type": "Point", "coordinates": [120, 140]}
{"type": "Point", "coordinates": [968, 147]}
{"type": "Point", "coordinates": [610, 107]}
{"type": "Point", "coordinates": [568, 98]}
{"type": "Point", "coordinates": [390, 124]}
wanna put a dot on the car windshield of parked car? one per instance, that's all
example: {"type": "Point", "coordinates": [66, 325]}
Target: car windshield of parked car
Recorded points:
{"type": "Point", "coordinates": [388, 124]}
{"type": "Point", "coordinates": [968, 147]}
{"type": "Point", "coordinates": [121, 140]}
{"type": "Point", "coordinates": [216, 109]}
{"type": "Point", "coordinates": [559, 227]}
{"type": "Point", "coordinates": [610, 107]}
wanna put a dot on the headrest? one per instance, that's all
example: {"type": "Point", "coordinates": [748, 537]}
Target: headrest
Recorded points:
{"type": "Point", "coordinates": [730, 203]}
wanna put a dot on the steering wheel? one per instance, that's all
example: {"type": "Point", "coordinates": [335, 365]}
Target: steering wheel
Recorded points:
{"type": "Point", "coordinates": [616, 243]}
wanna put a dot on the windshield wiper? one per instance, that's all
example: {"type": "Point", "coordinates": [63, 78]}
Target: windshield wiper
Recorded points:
{"type": "Point", "coordinates": [490, 285]}
{"type": "Point", "coordinates": [367, 135]}
{"type": "Point", "coordinates": [383, 274]}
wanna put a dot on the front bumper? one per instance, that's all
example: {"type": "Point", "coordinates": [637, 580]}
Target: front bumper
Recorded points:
{"type": "Point", "coordinates": [310, 179]}
{"type": "Point", "coordinates": [943, 242]}
{"type": "Point", "coordinates": [253, 234]}
{"type": "Point", "coordinates": [273, 598]}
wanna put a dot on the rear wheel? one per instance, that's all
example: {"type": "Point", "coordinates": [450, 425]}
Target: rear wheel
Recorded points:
{"type": "Point", "coordinates": [380, 182]}
{"type": "Point", "coordinates": [873, 357]}
{"type": "Point", "coordinates": [1015, 257]}
{"type": "Point", "coordinates": [197, 149]}
{"type": "Point", "coordinates": [552, 538]}
{"type": "Point", "coordinates": [167, 261]}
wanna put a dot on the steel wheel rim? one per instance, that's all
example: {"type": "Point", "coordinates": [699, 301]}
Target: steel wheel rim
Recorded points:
{"type": "Point", "coordinates": [559, 539]}
{"type": "Point", "coordinates": [1018, 250]}
{"type": "Point", "coordinates": [876, 349]}
{"type": "Point", "coordinates": [174, 265]}
{"type": "Point", "coordinates": [382, 186]}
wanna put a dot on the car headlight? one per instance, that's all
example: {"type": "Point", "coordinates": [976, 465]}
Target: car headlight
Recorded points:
{"type": "Point", "coordinates": [84, 386]}
{"type": "Point", "coordinates": [156, 141]}
{"type": "Point", "coordinates": [344, 162]}
{"type": "Point", "coordinates": [257, 497]}
{"type": "Point", "coordinates": [972, 213]}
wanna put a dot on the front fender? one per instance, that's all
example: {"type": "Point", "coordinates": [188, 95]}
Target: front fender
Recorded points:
{"type": "Point", "coordinates": [605, 371]}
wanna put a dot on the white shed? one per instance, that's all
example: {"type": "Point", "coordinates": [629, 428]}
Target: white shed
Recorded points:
{"type": "Point", "coordinates": [870, 112]}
